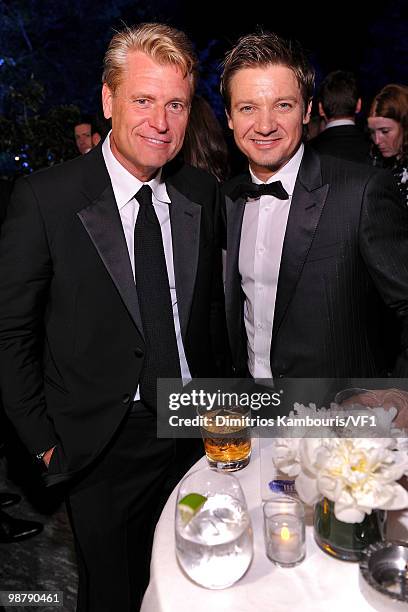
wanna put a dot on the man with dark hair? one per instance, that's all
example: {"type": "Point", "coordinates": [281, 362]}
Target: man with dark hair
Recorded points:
{"type": "Point", "coordinates": [311, 240]}
{"type": "Point", "coordinates": [339, 103]}
{"type": "Point", "coordinates": [83, 135]}
{"type": "Point", "coordinates": [109, 280]}
{"type": "Point", "coordinates": [86, 136]}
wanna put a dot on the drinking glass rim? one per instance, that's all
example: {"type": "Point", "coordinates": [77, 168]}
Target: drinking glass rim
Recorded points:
{"type": "Point", "coordinates": [287, 500]}
{"type": "Point", "coordinates": [208, 468]}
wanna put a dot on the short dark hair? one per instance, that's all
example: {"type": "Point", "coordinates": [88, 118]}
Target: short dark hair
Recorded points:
{"type": "Point", "coordinates": [338, 94]}
{"type": "Point", "coordinates": [85, 120]}
{"type": "Point", "coordinates": [264, 49]}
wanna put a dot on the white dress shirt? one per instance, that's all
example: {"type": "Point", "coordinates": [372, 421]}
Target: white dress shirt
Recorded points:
{"type": "Point", "coordinates": [262, 234]}
{"type": "Point", "coordinates": [125, 186]}
{"type": "Point", "coordinates": [338, 123]}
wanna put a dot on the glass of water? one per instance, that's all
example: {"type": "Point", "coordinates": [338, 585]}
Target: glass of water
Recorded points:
{"type": "Point", "coordinates": [214, 540]}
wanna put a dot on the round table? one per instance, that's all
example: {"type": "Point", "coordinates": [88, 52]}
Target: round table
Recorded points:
{"type": "Point", "coordinates": [320, 583]}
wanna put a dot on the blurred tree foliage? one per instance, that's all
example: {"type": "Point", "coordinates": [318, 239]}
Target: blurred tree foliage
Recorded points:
{"type": "Point", "coordinates": [32, 137]}
{"type": "Point", "coordinates": [37, 141]}
{"type": "Point", "coordinates": [51, 56]}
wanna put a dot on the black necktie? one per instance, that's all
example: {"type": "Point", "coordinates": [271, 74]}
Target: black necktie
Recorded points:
{"type": "Point", "coordinates": [252, 190]}
{"type": "Point", "coordinates": [152, 283]}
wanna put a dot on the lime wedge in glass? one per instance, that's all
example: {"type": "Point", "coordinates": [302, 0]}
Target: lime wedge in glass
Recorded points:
{"type": "Point", "coordinates": [189, 505]}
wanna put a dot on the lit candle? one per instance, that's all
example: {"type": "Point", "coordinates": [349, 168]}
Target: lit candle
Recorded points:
{"type": "Point", "coordinates": [284, 532]}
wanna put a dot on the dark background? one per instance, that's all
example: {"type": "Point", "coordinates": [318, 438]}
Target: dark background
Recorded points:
{"type": "Point", "coordinates": [51, 54]}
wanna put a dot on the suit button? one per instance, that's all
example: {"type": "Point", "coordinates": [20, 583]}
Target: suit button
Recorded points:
{"type": "Point", "coordinates": [139, 352]}
{"type": "Point", "coordinates": [126, 398]}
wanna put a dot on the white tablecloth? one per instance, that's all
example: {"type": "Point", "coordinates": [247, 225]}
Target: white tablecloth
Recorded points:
{"type": "Point", "coordinates": [319, 584]}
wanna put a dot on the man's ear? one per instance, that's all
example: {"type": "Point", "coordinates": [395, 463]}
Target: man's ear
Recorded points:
{"type": "Point", "coordinates": [321, 110]}
{"type": "Point", "coordinates": [358, 106]}
{"type": "Point", "coordinates": [107, 96]}
{"type": "Point", "coordinates": [308, 112]}
{"type": "Point", "coordinates": [96, 139]}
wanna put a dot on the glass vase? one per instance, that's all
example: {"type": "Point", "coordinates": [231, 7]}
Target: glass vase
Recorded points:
{"type": "Point", "coordinates": [346, 541]}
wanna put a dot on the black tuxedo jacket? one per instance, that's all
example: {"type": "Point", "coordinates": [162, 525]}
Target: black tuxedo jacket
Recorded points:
{"type": "Point", "coordinates": [5, 192]}
{"type": "Point", "coordinates": [344, 141]}
{"type": "Point", "coordinates": [71, 336]}
{"type": "Point", "coordinates": [346, 242]}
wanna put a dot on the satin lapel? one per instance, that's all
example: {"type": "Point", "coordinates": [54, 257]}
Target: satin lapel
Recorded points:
{"type": "Point", "coordinates": [185, 217]}
{"type": "Point", "coordinates": [234, 216]}
{"type": "Point", "coordinates": [101, 220]}
{"type": "Point", "coordinates": [307, 204]}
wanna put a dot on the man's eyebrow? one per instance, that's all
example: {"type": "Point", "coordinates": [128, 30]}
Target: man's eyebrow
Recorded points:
{"type": "Point", "coordinates": [180, 99]}
{"type": "Point", "coordinates": [146, 96]}
{"type": "Point", "coordinates": [254, 101]}
{"type": "Point", "coordinates": [286, 99]}
{"type": "Point", "coordinates": [136, 96]}
{"type": "Point", "coordinates": [245, 101]}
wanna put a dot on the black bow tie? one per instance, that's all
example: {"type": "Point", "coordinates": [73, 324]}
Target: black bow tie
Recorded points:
{"type": "Point", "coordinates": [252, 190]}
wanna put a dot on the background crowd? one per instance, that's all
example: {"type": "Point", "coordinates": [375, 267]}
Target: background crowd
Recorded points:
{"type": "Point", "coordinates": [51, 56]}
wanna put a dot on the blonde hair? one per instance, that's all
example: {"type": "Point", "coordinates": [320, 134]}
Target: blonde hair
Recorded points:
{"type": "Point", "coordinates": [163, 43]}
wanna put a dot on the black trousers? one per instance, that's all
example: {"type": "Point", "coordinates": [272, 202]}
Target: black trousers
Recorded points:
{"type": "Point", "coordinates": [113, 510]}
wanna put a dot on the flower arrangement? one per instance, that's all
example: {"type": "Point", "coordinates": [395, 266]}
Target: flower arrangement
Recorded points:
{"type": "Point", "coordinates": [358, 474]}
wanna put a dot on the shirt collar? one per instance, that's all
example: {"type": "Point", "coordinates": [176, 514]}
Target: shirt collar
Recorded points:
{"type": "Point", "coordinates": [124, 184]}
{"type": "Point", "coordinates": [338, 122]}
{"type": "Point", "coordinates": [286, 175]}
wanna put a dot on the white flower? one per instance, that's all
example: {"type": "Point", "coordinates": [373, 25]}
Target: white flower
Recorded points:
{"type": "Point", "coordinates": [383, 420]}
{"type": "Point", "coordinates": [285, 451]}
{"type": "Point", "coordinates": [357, 474]}
{"type": "Point", "coordinates": [285, 454]}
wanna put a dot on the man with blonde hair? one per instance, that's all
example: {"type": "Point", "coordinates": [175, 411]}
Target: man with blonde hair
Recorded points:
{"type": "Point", "coordinates": [108, 282]}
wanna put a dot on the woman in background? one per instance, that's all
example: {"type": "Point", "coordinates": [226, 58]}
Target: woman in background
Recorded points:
{"type": "Point", "coordinates": [388, 125]}
{"type": "Point", "coordinates": [204, 144]}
